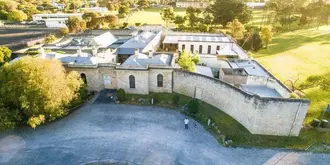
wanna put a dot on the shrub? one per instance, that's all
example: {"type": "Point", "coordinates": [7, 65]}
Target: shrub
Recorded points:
{"type": "Point", "coordinates": [49, 39]}
{"type": "Point", "coordinates": [121, 94]}
{"type": "Point", "coordinates": [137, 24]}
{"type": "Point", "coordinates": [193, 106]}
{"type": "Point", "coordinates": [175, 99]}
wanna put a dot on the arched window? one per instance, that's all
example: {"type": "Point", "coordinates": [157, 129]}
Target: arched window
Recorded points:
{"type": "Point", "coordinates": [159, 80]}
{"type": "Point", "coordinates": [83, 77]}
{"type": "Point", "coordinates": [131, 81]}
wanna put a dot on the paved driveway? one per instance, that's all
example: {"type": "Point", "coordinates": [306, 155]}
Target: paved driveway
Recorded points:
{"type": "Point", "coordinates": [134, 135]}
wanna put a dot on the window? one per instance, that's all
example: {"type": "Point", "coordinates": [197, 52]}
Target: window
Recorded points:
{"type": "Point", "coordinates": [209, 49]}
{"type": "Point", "coordinates": [84, 78]}
{"type": "Point", "coordinates": [192, 48]}
{"type": "Point", "coordinates": [159, 80]}
{"type": "Point", "coordinates": [131, 81]}
{"type": "Point", "coordinates": [200, 49]}
{"type": "Point", "coordinates": [183, 47]}
{"type": "Point", "coordinates": [218, 47]}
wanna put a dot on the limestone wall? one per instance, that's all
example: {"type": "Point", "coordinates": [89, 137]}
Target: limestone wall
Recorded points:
{"type": "Point", "coordinates": [94, 81]}
{"type": "Point", "coordinates": [268, 116]}
{"type": "Point", "coordinates": [141, 81]}
{"type": "Point", "coordinates": [167, 80]}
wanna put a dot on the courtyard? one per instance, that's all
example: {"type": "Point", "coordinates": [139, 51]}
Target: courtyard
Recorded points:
{"type": "Point", "coordinates": [129, 134]}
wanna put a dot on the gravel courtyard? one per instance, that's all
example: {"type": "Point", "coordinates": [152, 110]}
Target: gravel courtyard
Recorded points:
{"type": "Point", "coordinates": [129, 134]}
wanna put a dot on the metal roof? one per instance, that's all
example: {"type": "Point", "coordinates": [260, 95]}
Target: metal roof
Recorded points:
{"type": "Point", "coordinates": [261, 90]}
{"type": "Point", "coordinates": [142, 60]}
{"type": "Point", "coordinates": [251, 67]}
{"type": "Point", "coordinates": [138, 42]}
{"type": "Point", "coordinates": [174, 39]}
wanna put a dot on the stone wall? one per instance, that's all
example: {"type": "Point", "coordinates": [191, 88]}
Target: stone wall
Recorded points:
{"type": "Point", "coordinates": [141, 81]}
{"type": "Point", "coordinates": [268, 116]}
{"type": "Point", "coordinates": [167, 80]}
{"type": "Point", "coordinates": [94, 81]}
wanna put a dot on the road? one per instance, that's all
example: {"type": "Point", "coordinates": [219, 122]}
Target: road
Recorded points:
{"type": "Point", "coordinates": [129, 134]}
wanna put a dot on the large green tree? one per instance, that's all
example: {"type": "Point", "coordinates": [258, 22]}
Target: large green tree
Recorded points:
{"type": "Point", "coordinates": [17, 15]}
{"type": "Point", "coordinates": [5, 55]}
{"type": "Point", "coordinates": [168, 15]}
{"type": "Point", "coordinates": [237, 29]}
{"type": "Point", "coordinates": [75, 24]}
{"type": "Point", "coordinates": [93, 20]}
{"type": "Point", "coordinates": [187, 61]}
{"type": "Point", "coordinates": [143, 4]}
{"type": "Point", "coordinates": [225, 11]}
{"type": "Point", "coordinates": [35, 90]}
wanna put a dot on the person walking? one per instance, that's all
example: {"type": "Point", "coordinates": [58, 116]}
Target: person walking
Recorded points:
{"type": "Point", "coordinates": [186, 122]}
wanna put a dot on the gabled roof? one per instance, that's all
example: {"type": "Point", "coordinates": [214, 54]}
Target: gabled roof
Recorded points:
{"type": "Point", "coordinates": [103, 40]}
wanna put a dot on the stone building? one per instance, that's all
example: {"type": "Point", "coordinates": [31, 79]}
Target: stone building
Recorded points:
{"type": "Point", "coordinates": [245, 90]}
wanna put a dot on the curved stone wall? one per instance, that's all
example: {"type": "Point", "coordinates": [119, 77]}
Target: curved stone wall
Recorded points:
{"type": "Point", "coordinates": [268, 116]}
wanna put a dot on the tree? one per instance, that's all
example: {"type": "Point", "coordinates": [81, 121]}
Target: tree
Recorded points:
{"type": "Point", "coordinates": [207, 19]}
{"type": "Point", "coordinates": [17, 15]}
{"type": "Point", "coordinates": [237, 29]}
{"type": "Point", "coordinates": [50, 39]}
{"type": "Point", "coordinates": [123, 9]}
{"type": "Point", "coordinates": [36, 90]}
{"type": "Point", "coordinates": [193, 17]}
{"type": "Point", "coordinates": [92, 19]}
{"type": "Point", "coordinates": [5, 55]}
{"type": "Point", "coordinates": [64, 31]}
{"type": "Point", "coordinates": [112, 20]}
{"type": "Point", "coordinates": [225, 11]}
{"type": "Point", "coordinates": [143, 4]}
{"type": "Point", "coordinates": [121, 94]}
{"type": "Point", "coordinates": [75, 24]}
{"type": "Point", "coordinates": [180, 21]}
{"type": "Point", "coordinates": [266, 35]}
{"type": "Point", "coordinates": [186, 61]}
{"type": "Point", "coordinates": [3, 15]}
{"type": "Point", "coordinates": [167, 15]}
{"type": "Point", "coordinates": [193, 106]}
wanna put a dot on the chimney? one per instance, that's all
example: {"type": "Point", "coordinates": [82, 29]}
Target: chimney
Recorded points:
{"type": "Point", "coordinates": [79, 52]}
{"type": "Point", "coordinates": [136, 52]}
{"type": "Point", "coordinates": [42, 51]}
{"type": "Point", "coordinates": [150, 54]}
{"type": "Point", "coordinates": [94, 51]}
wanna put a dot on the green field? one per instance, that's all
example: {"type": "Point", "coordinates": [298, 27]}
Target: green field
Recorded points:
{"type": "Point", "coordinates": [256, 18]}
{"type": "Point", "coordinates": [300, 54]}
{"type": "Point", "coordinates": [150, 16]}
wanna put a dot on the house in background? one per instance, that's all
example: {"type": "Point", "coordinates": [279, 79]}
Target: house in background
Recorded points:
{"type": "Point", "coordinates": [55, 20]}
{"type": "Point", "coordinates": [203, 43]}
{"type": "Point", "coordinates": [192, 3]}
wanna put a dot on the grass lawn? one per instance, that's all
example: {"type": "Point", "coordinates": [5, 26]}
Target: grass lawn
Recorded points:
{"type": "Point", "coordinates": [256, 18]}
{"type": "Point", "coordinates": [151, 16]}
{"type": "Point", "coordinates": [301, 53]}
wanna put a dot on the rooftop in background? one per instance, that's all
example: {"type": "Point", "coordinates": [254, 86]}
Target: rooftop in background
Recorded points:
{"type": "Point", "coordinates": [144, 61]}
{"type": "Point", "coordinates": [250, 66]}
{"type": "Point", "coordinates": [175, 37]}
{"type": "Point", "coordinates": [104, 40]}
{"type": "Point", "coordinates": [207, 71]}
{"type": "Point", "coordinates": [260, 90]}
{"type": "Point", "coordinates": [138, 42]}
{"type": "Point", "coordinates": [78, 59]}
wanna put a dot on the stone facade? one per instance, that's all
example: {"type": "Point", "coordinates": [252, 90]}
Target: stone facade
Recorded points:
{"type": "Point", "coordinates": [167, 80]}
{"type": "Point", "coordinates": [267, 116]}
{"type": "Point", "coordinates": [260, 115]}
{"type": "Point", "coordinates": [141, 81]}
